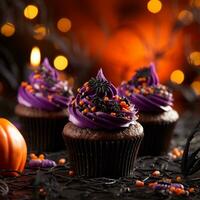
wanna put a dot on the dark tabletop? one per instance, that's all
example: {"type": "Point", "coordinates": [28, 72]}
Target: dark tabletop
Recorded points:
{"type": "Point", "coordinates": [56, 183]}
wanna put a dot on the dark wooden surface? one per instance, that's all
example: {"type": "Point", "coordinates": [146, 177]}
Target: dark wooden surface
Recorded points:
{"type": "Point", "coordinates": [57, 184]}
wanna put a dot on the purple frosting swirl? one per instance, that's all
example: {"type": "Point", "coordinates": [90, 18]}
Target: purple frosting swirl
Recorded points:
{"type": "Point", "coordinates": [97, 106]}
{"type": "Point", "coordinates": [145, 91]}
{"type": "Point", "coordinates": [44, 90]}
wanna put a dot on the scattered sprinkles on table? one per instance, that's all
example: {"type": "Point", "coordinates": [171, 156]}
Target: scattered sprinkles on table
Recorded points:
{"type": "Point", "coordinates": [40, 162]}
{"type": "Point", "coordinates": [176, 153]}
{"type": "Point", "coordinates": [165, 185]}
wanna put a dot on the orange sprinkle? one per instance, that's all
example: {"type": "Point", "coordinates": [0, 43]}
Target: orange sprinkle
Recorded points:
{"type": "Point", "coordinates": [176, 152]}
{"type": "Point", "coordinates": [62, 161]}
{"type": "Point", "coordinates": [36, 76]}
{"type": "Point", "coordinates": [124, 104]}
{"type": "Point", "coordinates": [106, 99]}
{"type": "Point", "coordinates": [183, 191]}
{"type": "Point", "coordinates": [178, 178]}
{"type": "Point", "coordinates": [116, 97]}
{"type": "Point", "coordinates": [31, 90]}
{"type": "Point", "coordinates": [152, 184]}
{"type": "Point", "coordinates": [127, 93]}
{"type": "Point", "coordinates": [50, 97]}
{"type": "Point", "coordinates": [87, 88]}
{"type": "Point", "coordinates": [85, 111]}
{"type": "Point", "coordinates": [86, 84]}
{"type": "Point", "coordinates": [151, 90]}
{"type": "Point", "coordinates": [93, 109]}
{"type": "Point", "coordinates": [28, 87]}
{"type": "Point", "coordinates": [135, 90]}
{"type": "Point", "coordinates": [142, 79]}
{"type": "Point", "coordinates": [172, 189]}
{"type": "Point", "coordinates": [73, 101]}
{"type": "Point", "coordinates": [156, 173]}
{"type": "Point", "coordinates": [179, 191]}
{"type": "Point", "coordinates": [139, 183]}
{"type": "Point", "coordinates": [144, 84]}
{"type": "Point", "coordinates": [41, 157]}
{"type": "Point", "coordinates": [81, 102]}
{"type": "Point", "coordinates": [24, 84]}
{"type": "Point", "coordinates": [113, 114]}
{"type": "Point", "coordinates": [125, 109]}
{"type": "Point", "coordinates": [33, 156]}
{"type": "Point", "coordinates": [71, 173]}
{"type": "Point", "coordinates": [191, 190]}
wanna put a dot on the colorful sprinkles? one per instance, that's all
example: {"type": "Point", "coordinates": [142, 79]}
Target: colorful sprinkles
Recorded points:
{"type": "Point", "coordinates": [155, 181]}
{"type": "Point", "coordinates": [165, 185]}
{"type": "Point", "coordinates": [145, 82]}
{"type": "Point", "coordinates": [102, 100]}
{"type": "Point", "coordinates": [146, 90]}
{"type": "Point", "coordinates": [44, 82]}
{"type": "Point", "coordinates": [176, 153]}
{"type": "Point", "coordinates": [40, 161]}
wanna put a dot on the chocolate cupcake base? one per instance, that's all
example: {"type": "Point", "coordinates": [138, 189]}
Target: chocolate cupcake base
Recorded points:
{"type": "Point", "coordinates": [95, 153]}
{"type": "Point", "coordinates": [157, 139]}
{"type": "Point", "coordinates": [42, 134]}
{"type": "Point", "coordinates": [158, 130]}
{"type": "Point", "coordinates": [42, 131]}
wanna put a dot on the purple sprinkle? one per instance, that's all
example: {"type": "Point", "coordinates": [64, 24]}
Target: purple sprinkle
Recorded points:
{"type": "Point", "coordinates": [177, 185]}
{"type": "Point", "coordinates": [42, 163]}
{"type": "Point", "coordinates": [35, 163]}
{"type": "Point", "coordinates": [48, 163]}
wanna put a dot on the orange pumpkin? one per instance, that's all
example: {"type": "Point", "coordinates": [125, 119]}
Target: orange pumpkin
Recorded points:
{"type": "Point", "coordinates": [13, 149]}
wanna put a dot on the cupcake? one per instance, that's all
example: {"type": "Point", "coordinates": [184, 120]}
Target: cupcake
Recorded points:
{"type": "Point", "coordinates": [154, 102]}
{"type": "Point", "coordinates": [42, 109]}
{"type": "Point", "coordinates": [103, 136]}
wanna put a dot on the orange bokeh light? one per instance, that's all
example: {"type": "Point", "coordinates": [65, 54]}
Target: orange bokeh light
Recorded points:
{"type": "Point", "coordinates": [154, 6]}
{"type": "Point", "coordinates": [40, 32]}
{"type": "Point", "coordinates": [196, 87]}
{"type": "Point", "coordinates": [64, 25]}
{"type": "Point", "coordinates": [177, 76]}
{"type": "Point", "coordinates": [8, 29]}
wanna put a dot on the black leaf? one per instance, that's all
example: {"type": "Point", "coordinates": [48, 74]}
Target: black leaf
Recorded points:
{"type": "Point", "coordinates": [190, 161]}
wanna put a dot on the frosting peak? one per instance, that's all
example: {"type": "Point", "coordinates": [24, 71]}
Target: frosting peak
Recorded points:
{"type": "Point", "coordinates": [98, 106]}
{"type": "Point", "coordinates": [100, 75]}
{"type": "Point", "coordinates": [44, 90]}
{"type": "Point", "coordinates": [146, 75]}
{"type": "Point", "coordinates": [145, 91]}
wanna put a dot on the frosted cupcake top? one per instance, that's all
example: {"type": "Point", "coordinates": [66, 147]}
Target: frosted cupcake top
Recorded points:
{"type": "Point", "coordinates": [44, 90]}
{"type": "Point", "coordinates": [97, 106]}
{"type": "Point", "coordinates": [145, 91]}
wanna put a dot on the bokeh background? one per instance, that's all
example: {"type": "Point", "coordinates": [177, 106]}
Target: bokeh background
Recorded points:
{"type": "Point", "coordinates": [79, 36]}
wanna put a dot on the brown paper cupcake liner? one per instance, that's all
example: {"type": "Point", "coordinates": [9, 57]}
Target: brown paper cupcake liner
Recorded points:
{"type": "Point", "coordinates": [112, 158]}
{"type": "Point", "coordinates": [43, 134]}
{"type": "Point", "coordinates": [157, 138]}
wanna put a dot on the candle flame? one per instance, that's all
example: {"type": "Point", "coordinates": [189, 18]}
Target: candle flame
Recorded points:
{"type": "Point", "coordinates": [35, 57]}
